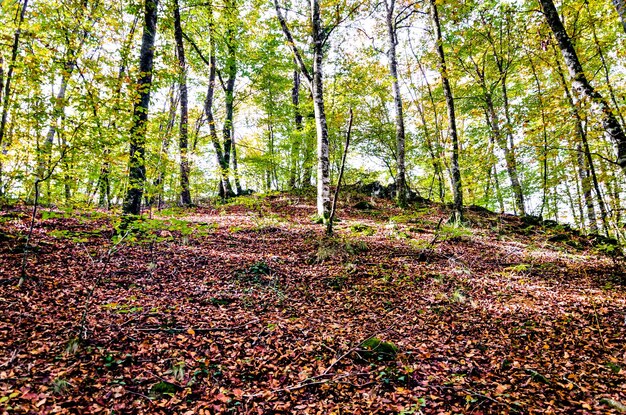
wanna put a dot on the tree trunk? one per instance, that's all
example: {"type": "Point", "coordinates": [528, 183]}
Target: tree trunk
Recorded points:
{"type": "Point", "coordinates": [582, 135]}
{"type": "Point", "coordinates": [295, 145]}
{"type": "Point", "coordinates": [323, 159]}
{"type": "Point", "coordinates": [509, 158]}
{"type": "Point", "coordinates": [397, 99]}
{"type": "Point", "coordinates": [544, 154]}
{"type": "Point", "coordinates": [585, 179]}
{"type": "Point", "coordinates": [137, 167]}
{"type": "Point", "coordinates": [512, 160]}
{"type": "Point", "coordinates": [455, 175]}
{"type": "Point", "coordinates": [7, 84]}
{"type": "Point", "coordinates": [235, 163]}
{"type": "Point", "coordinates": [580, 84]}
{"type": "Point", "coordinates": [185, 194]}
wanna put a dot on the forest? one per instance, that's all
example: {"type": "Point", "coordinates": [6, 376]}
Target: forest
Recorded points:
{"type": "Point", "coordinates": [324, 206]}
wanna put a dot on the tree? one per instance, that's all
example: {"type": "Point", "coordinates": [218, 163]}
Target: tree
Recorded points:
{"type": "Point", "coordinates": [137, 167]}
{"type": "Point", "coordinates": [392, 19]}
{"type": "Point", "coordinates": [185, 195]}
{"type": "Point", "coordinates": [314, 78]}
{"type": "Point", "coordinates": [5, 83]}
{"type": "Point", "coordinates": [455, 175]}
{"type": "Point", "coordinates": [581, 85]}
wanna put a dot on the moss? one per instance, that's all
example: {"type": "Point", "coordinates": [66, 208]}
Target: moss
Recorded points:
{"type": "Point", "coordinates": [377, 349]}
{"type": "Point", "coordinates": [360, 228]}
{"type": "Point", "coordinates": [164, 388]}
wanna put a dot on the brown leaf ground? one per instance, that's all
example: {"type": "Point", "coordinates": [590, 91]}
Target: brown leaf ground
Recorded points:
{"type": "Point", "coordinates": [247, 308]}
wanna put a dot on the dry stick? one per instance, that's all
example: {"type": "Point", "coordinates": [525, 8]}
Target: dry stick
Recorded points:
{"type": "Point", "coordinates": [83, 319]}
{"type": "Point", "coordinates": [329, 229]}
{"type": "Point", "coordinates": [196, 330]}
{"type": "Point", "coordinates": [304, 385]}
{"type": "Point", "coordinates": [32, 219]}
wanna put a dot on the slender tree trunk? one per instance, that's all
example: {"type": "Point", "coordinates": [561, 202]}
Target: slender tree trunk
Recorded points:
{"type": "Point", "coordinates": [581, 85]}
{"type": "Point", "coordinates": [185, 194]}
{"type": "Point", "coordinates": [137, 167]}
{"type": "Point", "coordinates": [454, 159]}
{"type": "Point", "coordinates": [6, 94]}
{"type": "Point", "coordinates": [544, 133]}
{"type": "Point", "coordinates": [295, 145]}
{"type": "Point", "coordinates": [225, 187]}
{"type": "Point", "coordinates": [582, 135]}
{"type": "Point", "coordinates": [511, 167]}
{"type": "Point", "coordinates": [510, 153]}
{"type": "Point", "coordinates": [323, 158]}
{"type": "Point", "coordinates": [397, 99]}
{"type": "Point", "coordinates": [58, 110]}
{"type": "Point", "coordinates": [229, 87]}
{"type": "Point", "coordinates": [104, 184]}
{"type": "Point", "coordinates": [315, 81]}
{"type": "Point", "coordinates": [605, 69]}
{"type": "Point", "coordinates": [235, 163]}
{"type": "Point", "coordinates": [585, 179]}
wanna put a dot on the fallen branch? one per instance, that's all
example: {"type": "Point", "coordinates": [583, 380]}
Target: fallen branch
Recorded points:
{"type": "Point", "coordinates": [172, 330]}
{"type": "Point", "coordinates": [304, 384]}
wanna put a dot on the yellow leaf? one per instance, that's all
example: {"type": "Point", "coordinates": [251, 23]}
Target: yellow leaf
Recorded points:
{"type": "Point", "coordinates": [191, 331]}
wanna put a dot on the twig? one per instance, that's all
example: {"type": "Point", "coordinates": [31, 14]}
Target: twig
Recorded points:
{"type": "Point", "coordinates": [196, 330]}
{"type": "Point", "coordinates": [304, 384]}
{"type": "Point", "coordinates": [139, 394]}
{"type": "Point", "coordinates": [329, 228]}
{"type": "Point", "coordinates": [10, 359]}
{"type": "Point", "coordinates": [34, 214]}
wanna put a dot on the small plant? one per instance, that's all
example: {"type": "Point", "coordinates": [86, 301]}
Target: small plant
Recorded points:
{"type": "Point", "coordinates": [615, 368]}
{"type": "Point", "coordinates": [332, 247]}
{"type": "Point", "coordinates": [377, 349]}
{"type": "Point", "coordinates": [72, 346]}
{"type": "Point", "coordinates": [518, 268]}
{"type": "Point", "coordinates": [257, 273]}
{"type": "Point", "coordinates": [362, 229]}
{"type": "Point", "coordinates": [458, 297]}
{"type": "Point", "coordinates": [60, 386]}
{"type": "Point", "coordinates": [178, 371]}
{"type": "Point", "coordinates": [164, 388]}
{"type": "Point", "coordinates": [454, 233]}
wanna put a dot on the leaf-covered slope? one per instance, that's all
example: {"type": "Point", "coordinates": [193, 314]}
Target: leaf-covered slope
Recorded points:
{"type": "Point", "coordinates": [247, 308]}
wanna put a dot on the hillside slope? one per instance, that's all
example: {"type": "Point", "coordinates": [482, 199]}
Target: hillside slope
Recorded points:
{"type": "Point", "coordinates": [248, 308]}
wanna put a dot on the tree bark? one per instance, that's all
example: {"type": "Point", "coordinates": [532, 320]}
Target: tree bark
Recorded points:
{"type": "Point", "coordinates": [315, 81]}
{"type": "Point", "coordinates": [582, 135]}
{"type": "Point", "coordinates": [585, 179]}
{"type": "Point", "coordinates": [7, 84]}
{"type": "Point", "coordinates": [397, 99]}
{"type": "Point", "coordinates": [323, 157]}
{"type": "Point", "coordinates": [581, 85]}
{"type": "Point", "coordinates": [137, 167]}
{"type": "Point", "coordinates": [455, 175]}
{"type": "Point", "coordinates": [185, 194]}
{"type": "Point", "coordinates": [295, 145]}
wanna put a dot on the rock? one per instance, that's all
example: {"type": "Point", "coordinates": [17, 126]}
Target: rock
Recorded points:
{"type": "Point", "coordinates": [363, 205]}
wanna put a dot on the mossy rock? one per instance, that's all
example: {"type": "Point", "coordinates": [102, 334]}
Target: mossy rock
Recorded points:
{"type": "Point", "coordinates": [377, 349]}
{"type": "Point", "coordinates": [559, 237]}
{"type": "Point", "coordinates": [164, 388]}
{"type": "Point", "coordinates": [363, 205]}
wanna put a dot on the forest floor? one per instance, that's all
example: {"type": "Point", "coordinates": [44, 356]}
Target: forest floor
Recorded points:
{"type": "Point", "coordinates": [248, 308]}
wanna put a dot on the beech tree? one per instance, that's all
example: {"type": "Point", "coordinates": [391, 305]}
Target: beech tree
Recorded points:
{"type": "Point", "coordinates": [137, 168]}
{"type": "Point", "coordinates": [581, 85]}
